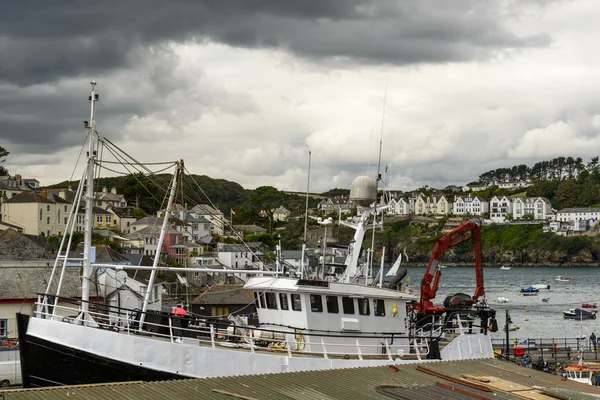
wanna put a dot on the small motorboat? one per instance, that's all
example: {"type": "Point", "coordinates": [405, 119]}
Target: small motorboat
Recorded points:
{"type": "Point", "coordinates": [504, 268]}
{"type": "Point", "coordinates": [562, 279]}
{"type": "Point", "coordinates": [588, 305]}
{"type": "Point", "coordinates": [545, 300]}
{"type": "Point", "coordinates": [529, 291]}
{"type": "Point", "coordinates": [502, 300]}
{"type": "Point", "coordinates": [513, 327]}
{"type": "Point", "coordinates": [579, 313]}
{"type": "Point", "coordinates": [541, 286]}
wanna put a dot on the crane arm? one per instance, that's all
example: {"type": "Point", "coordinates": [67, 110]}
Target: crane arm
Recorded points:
{"type": "Point", "coordinates": [465, 232]}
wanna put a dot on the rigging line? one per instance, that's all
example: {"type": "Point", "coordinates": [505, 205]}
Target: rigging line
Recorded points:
{"type": "Point", "coordinates": [77, 162]}
{"type": "Point", "coordinates": [239, 237]}
{"type": "Point", "coordinates": [127, 173]}
{"type": "Point", "coordinates": [125, 153]}
{"type": "Point", "coordinates": [136, 163]}
{"type": "Point", "coordinates": [141, 183]}
{"type": "Point", "coordinates": [148, 171]}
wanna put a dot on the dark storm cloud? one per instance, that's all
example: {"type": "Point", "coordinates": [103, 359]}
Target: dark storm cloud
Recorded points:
{"type": "Point", "coordinates": [44, 41]}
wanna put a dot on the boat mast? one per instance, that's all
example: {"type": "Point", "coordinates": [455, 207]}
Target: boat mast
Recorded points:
{"type": "Point", "coordinates": [178, 171]}
{"type": "Point", "coordinates": [305, 220]}
{"type": "Point", "coordinates": [89, 205]}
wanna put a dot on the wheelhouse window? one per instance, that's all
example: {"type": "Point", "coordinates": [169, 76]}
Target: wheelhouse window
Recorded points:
{"type": "Point", "coordinates": [363, 307]}
{"type": "Point", "coordinates": [271, 301]}
{"type": "Point", "coordinates": [283, 301]}
{"type": "Point", "coordinates": [332, 304]}
{"type": "Point", "coordinates": [316, 303]}
{"type": "Point", "coordinates": [296, 303]}
{"type": "Point", "coordinates": [348, 305]}
{"type": "Point", "coordinates": [379, 307]}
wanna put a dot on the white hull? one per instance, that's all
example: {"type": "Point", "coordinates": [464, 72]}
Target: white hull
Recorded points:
{"type": "Point", "coordinates": [190, 359]}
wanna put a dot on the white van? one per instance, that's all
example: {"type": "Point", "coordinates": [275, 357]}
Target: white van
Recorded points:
{"type": "Point", "coordinates": [10, 373]}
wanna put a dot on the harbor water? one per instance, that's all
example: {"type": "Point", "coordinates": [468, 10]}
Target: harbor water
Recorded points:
{"type": "Point", "coordinates": [535, 318]}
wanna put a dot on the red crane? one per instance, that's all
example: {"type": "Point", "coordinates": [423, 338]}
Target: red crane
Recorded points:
{"type": "Point", "coordinates": [429, 285]}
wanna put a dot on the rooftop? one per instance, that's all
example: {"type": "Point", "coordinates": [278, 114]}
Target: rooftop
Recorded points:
{"type": "Point", "coordinates": [434, 380]}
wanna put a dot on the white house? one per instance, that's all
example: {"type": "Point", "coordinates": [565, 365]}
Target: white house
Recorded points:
{"type": "Point", "coordinates": [213, 215]}
{"type": "Point", "coordinates": [591, 214]}
{"type": "Point", "coordinates": [537, 207]}
{"type": "Point", "coordinates": [470, 205]}
{"type": "Point", "coordinates": [513, 185]}
{"type": "Point", "coordinates": [500, 208]}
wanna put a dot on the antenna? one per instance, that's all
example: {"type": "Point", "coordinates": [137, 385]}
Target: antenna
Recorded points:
{"type": "Point", "coordinates": [378, 178]}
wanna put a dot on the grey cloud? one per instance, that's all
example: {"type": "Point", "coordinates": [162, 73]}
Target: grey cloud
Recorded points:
{"type": "Point", "coordinates": [44, 41]}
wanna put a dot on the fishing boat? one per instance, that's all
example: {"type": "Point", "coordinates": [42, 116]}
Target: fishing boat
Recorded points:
{"type": "Point", "coordinates": [315, 318]}
{"type": "Point", "coordinates": [562, 279]}
{"type": "Point", "coordinates": [529, 291]}
{"type": "Point", "coordinates": [583, 372]}
{"type": "Point", "coordinates": [588, 305]}
{"type": "Point", "coordinates": [504, 268]}
{"type": "Point", "coordinates": [579, 313]}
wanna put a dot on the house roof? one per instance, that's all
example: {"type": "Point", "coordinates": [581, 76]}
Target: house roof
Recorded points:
{"type": "Point", "coordinates": [406, 381]}
{"type": "Point", "coordinates": [121, 212]}
{"type": "Point", "coordinates": [157, 221]}
{"type": "Point", "coordinates": [69, 194]}
{"type": "Point", "coordinates": [205, 209]}
{"type": "Point", "coordinates": [225, 294]}
{"type": "Point", "coordinates": [580, 210]}
{"type": "Point", "coordinates": [28, 197]}
{"type": "Point", "coordinates": [25, 282]}
{"type": "Point", "coordinates": [18, 246]}
{"type": "Point", "coordinates": [105, 254]}
{"type": "Point", "coordinates": [250, 228]}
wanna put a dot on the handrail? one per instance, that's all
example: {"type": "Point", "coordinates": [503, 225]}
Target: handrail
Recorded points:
{"type": "Point", "coordinates": [123, 322]}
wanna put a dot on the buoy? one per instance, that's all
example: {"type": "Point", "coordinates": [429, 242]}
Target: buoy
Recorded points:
{"type": "Point", "coordinates": [526, 310]}
{"type": "Point", "coordinates": [518, 327]}
{"type": "Point", "coordinates": [524, 305]}
{"type": "Point", "coordinates": [526, 319]}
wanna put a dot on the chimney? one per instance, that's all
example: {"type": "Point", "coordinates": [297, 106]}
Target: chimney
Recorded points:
{"type": "Point", "coordinates": [104, 189]}
{"type": "Point", "coordinates": [18, 177]}
{"type": "Point", "coordinates": [113, 190]}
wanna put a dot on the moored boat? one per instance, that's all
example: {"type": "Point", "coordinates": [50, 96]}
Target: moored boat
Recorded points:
{"type": "Point", "coordinates": [504, 268]}
{"type": "Point", "coordinates": [529, 291]}
{"type": "Point", "coordinates": [588, 305]}
{"type": "Point", "coordinates": [311, 319]}
{"type": "Point", "coordinates": [562, 279]}
{"type": "Point", "coordinates": [579, 313]}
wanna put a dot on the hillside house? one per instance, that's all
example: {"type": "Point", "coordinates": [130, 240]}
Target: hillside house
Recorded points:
{"type": "Point", "coordinates": [470, 205]}
{"type": "Point", "coordinates": [36, 214]}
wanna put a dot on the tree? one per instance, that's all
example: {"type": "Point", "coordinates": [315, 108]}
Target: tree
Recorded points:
{"type": "Point", "coordinates": [3, 154]}
{"type": "Point", "coordinates": [266, 198]}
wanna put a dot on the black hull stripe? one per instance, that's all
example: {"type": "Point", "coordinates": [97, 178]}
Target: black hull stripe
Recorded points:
{"type": "Point", "coordinates": [44, 363]}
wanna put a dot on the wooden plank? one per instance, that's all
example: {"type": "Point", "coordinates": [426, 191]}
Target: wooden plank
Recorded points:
{"type": "Point", "coordinates": [497, 383]}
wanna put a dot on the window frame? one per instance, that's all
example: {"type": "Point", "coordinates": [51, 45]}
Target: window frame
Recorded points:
{"type": "Point", "coordinates": [284, 301]}
{"type": "Point", "coordinates": [345, 309]}
{"type": "Point", "coordinates": [316, 302]}
{"type": "Point", "coordinates": [5, 321]}
{"type": "Point", "coordinates": [296, 302]}
{"type": "Point", "coordinates": [379, 307]}
{"type": "Point", "coordinates": [332, 303]}
{"type": "Point", "coordinates": [271, 300]}
{"type": "Point", "coordinates": [364, 301]}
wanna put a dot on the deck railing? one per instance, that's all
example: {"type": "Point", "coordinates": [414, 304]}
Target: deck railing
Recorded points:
{"type": "Point", "coordinates": [205, 331]}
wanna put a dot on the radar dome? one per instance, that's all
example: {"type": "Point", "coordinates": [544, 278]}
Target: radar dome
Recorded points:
{"type": "Point", "coordinates": [363, 191]}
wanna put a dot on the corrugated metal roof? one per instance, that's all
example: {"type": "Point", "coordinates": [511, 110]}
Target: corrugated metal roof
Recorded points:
{"type": "Point", "coordinates": [377, 383]}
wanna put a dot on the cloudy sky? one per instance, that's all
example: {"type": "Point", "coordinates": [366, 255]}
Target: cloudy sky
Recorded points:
{"type": "Point", "coordinates": [243, 89]}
